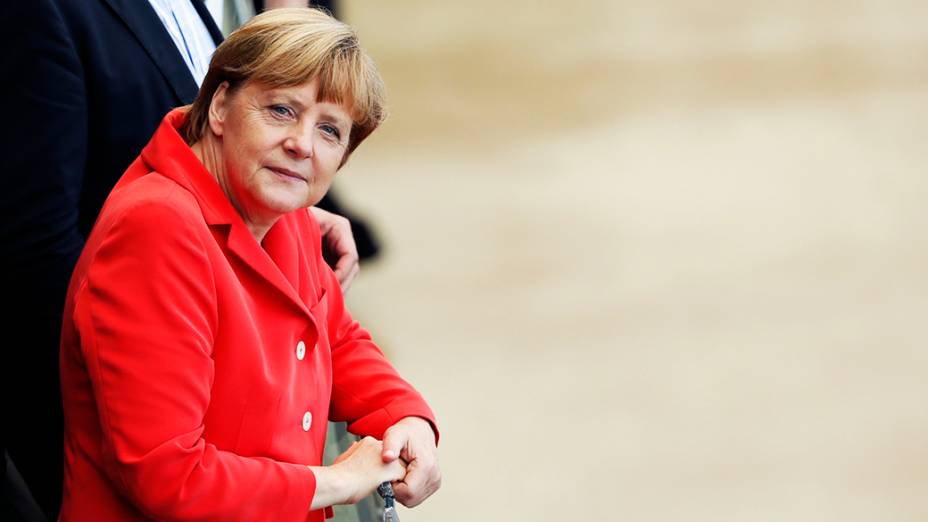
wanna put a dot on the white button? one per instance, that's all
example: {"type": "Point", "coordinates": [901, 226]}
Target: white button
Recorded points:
{"type": "Point", "coordinates": [300, 350]}
{"type": "Point", "coordinates": [307, 421]}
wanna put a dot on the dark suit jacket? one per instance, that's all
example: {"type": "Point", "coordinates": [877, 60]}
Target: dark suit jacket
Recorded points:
{"type": "Point", "coordinates": [86, 84]}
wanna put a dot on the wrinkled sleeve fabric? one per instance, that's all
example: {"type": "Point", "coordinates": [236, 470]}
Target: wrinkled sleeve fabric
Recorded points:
{"type": "Point", "coordinates": [146, 314]}
{"type": "Point", "coordinates": [43, 158]}
{"type": "Point", "coordinates": [367, 391]}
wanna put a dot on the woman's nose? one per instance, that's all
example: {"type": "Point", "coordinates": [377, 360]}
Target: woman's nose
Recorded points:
{"type": "Point", "coordinates": [300, 145]}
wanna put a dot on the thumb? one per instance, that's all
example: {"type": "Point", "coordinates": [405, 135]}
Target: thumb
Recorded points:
{"type": "Point", "coordinates": [393, 442]}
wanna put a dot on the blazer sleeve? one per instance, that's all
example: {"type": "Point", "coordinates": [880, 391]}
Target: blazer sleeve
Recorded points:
{"type": "Point", "coordinates": [44, 151]}
{"type": "Point", "coordinates": [367, 391]}
{"type": "Point", "coordinates": [145, 314]}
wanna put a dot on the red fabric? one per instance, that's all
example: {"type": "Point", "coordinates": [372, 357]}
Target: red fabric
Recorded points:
{"type": "Point", "coordinates": [183, 394]}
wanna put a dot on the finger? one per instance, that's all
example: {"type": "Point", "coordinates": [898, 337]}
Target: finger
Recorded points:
{"type": "Point", "coordinates": [393, 443]}
{"type": "Point", "coordinates": [345, 249]}
{"type": "Point", "coordinates": [345, 270]}
{"type": "Point", "coordinates": [416, 479]}
{"type": "Point", "coordinates": [396, 470]}
{"type": "Point", "coordinates": [341, 238]}
{"type": "Point", "coordinates": [339, 241]}
{"type": "Point", "coordinates": [406, 495]}
{"type": "Point", "coordinates": [345, 283]}
{"type": "Point", "coordinates": [423, 478]}
{"type": "Point", "coordinates": [347, 265]}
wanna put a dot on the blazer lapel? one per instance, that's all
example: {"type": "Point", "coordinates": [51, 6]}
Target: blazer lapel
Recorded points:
{"type": "Point", "coordinates": [241, 243]}
{"type": "Point", "coordinates": [142, 20]}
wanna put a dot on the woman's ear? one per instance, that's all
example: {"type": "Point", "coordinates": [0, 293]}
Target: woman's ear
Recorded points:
{"type": "Point", "coordinates": [218, 107]}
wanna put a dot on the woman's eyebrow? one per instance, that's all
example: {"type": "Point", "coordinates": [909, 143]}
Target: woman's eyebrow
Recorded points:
{"type": "Point", "coordinates": [282, 96]}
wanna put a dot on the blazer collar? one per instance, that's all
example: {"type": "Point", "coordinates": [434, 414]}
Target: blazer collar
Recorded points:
{"type": "Point", "coordinates": [143, 22]}
{"type": "Point", "coordinates": [169, 155]}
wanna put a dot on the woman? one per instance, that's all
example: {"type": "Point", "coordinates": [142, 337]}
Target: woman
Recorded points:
{"type": "Point", "coordinates": [205, 341]}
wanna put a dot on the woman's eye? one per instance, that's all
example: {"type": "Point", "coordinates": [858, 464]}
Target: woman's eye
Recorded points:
{"type": "Point", "coordinates": [281, 110]}
{"type": "Point", "coordinates": [331, 131]}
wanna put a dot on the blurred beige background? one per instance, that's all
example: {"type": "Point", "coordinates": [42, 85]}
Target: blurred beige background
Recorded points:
{"type": "Point", "coordinates": [656, 261]}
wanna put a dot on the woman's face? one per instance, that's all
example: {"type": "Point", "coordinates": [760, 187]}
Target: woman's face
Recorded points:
{"type": "Point", "coordinates": [279, 147]}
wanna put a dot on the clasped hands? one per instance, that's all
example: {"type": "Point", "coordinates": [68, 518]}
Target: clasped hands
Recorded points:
{"type": "Point", "coordinates": [407, 457]}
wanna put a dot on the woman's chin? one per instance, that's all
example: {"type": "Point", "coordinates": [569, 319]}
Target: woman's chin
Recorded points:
{"type": "Point", "coordinates": [284, 202]}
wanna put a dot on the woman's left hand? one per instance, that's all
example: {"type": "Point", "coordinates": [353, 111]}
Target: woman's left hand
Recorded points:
{"type": "Point", "coordinates": [338, 241]}
{"type": "Point", "coordinates": [413, 440]}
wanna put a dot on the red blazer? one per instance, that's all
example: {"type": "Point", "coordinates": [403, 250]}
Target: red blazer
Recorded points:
{"type": "Point", "coordinates": [198, 369]}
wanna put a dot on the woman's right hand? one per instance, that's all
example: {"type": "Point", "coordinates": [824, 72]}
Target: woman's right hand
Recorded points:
{"type": "Point", "coordinates": [363, 465]}
{"type": "Point", "coordinates": [355, 474]}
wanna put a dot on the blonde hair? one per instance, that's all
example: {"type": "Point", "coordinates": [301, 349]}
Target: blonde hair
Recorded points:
{"type": "Point", "coordinates": [292, 46]}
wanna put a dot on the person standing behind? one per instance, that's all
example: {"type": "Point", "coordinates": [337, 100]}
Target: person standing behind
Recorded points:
{"type": "Point", "coordinates": [92, 79]}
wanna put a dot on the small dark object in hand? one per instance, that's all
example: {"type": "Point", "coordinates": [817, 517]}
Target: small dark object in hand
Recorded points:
{"type": "Point", "coordinates": [389, 502]}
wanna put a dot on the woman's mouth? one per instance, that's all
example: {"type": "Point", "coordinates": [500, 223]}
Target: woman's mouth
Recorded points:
{"type": "Point", "coordinates": [287, 174]}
